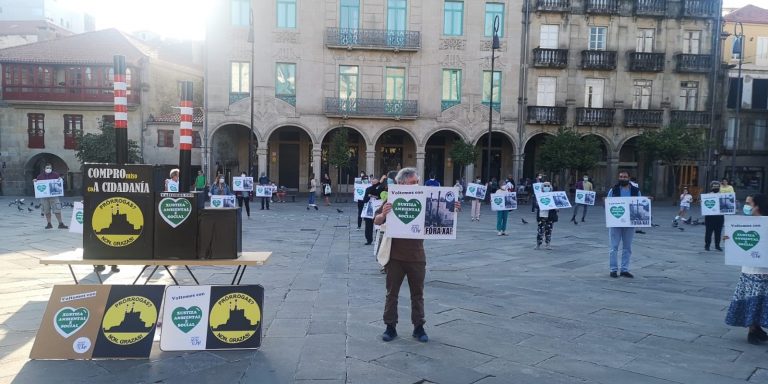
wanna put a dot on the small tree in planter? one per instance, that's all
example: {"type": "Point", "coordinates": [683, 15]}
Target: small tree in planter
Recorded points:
{"type": "Point", "coordinates": [100, 147]}
{"type": "Point", "coordinates": [673, 144]}
{"type": "Point", "coordinates": [463, 154]}
{"type": "Point", "coordinates": [338, 153]}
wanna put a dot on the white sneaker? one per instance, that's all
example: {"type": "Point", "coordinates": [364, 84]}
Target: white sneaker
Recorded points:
{"type": "Point", "coordinates": [499, 233]}
{"type": "Point", "coordinates": [549, 246]}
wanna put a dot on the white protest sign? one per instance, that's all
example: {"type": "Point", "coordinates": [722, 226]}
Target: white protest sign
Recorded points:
{"type": "Point", "coordinates": [537, 188]}
{"type": "Point", "coordinates": [172, 186]}
{"type": "Point", "coordinates": [263, 191]}
{"type": "Point", "coordinates": [561, 199]}
{"type": "Point", "coordinates": [718, 204]}
{"type": "Point", "coordinates": [503, 201]}
{"type": "Point", "coordinates": [420, 212]}
{"type": "Point", "coordinates": [747, 241]}
{"type": "Point", "coordinates": [476, 191]}
{"type": "Point", "coordinates": [546, 200]}
{"type": "Point", "coordinates": [49, 188]}
{"type": "Point", "coordinates": [76, 222]}
{"type": "Point", "coordinates": [185, 318]}
{"type": "Point", "coordinates": [585, 197]}
{"type": "Point", "coordinates": [222, 201]}
{"type": "Point", "coordinates": [627, 212]}
{"type": "Point", "coordinates": [360, 187]}
{"type": "Point", "coordinates": [369, 209]}
{"type": "Point", "coordinates": [242, 184]}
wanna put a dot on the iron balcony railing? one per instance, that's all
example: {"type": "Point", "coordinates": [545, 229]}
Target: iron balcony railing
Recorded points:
{"type": "Point", "coordinates": [694, 63]}
{"type": "Point", "coordinates": [700, 8]}
{"type": "Point", "coordinates": [372, 108]}
{"type": "Point", "coordinates": [373, 39]}
{"type": "Point", "coordinates": [606, 7]}
{"type": "Point", "coordinates": [290, 99]}
{"type": "Point", "coordinates": [547, 115]}
{"type": "Point", "coordinates": [601, 60]}
{"type": "Point", "coordinates": [553, 5]}
{"type": "Point", "coordinates": [691, 118]}
{"type": "Point", "coordinates": [600, 117]}
{"type": "Point", "coordinates": [646, 62]}
{"type": "Point", "coordinates": [650, 7]}
{"type": "Point", "coordinates": [445, 104]}
{"type": "Point", "coordinates": [550, 58]}
{"type": "Point", "coordinates": [643, 117]}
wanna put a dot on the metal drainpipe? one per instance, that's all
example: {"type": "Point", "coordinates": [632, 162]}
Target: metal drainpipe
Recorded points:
{"type": "Point", "coordinates": [523, 87]}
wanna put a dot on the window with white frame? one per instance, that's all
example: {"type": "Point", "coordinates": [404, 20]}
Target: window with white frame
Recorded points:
{"type": "Point", "coordinates": [689, 95]}
{"type": "Point", "coordinates": [548, 36]}
{"type": "Point", "coordinates": [597, 38]}
{"type": "Point", "coordinates": [546, 90]}
{"type": "Point", "coordinates": [593, 93]}
{"type": "Point", "coordinates": [642, 94]}
{"type": "Point", "coordinates": [644, 40]}
{"type": "Point", "coordinates": [691, 42]}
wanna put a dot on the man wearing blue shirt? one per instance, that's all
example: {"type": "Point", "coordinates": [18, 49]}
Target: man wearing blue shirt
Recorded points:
{"type": "Point", "coordinates": [432, 182]}
{"type": "Point", "coordinates": [621, 234]}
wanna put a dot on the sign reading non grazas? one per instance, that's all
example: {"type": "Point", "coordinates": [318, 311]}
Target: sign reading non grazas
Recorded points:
{"type": "Point", "coordinates": [476, 191]}
{"type": "Point", "coordinates": [627, 212]}
{"type": "Point", "coordinates": [222, 201]}
{"type": "Point", "coordinates": [746, 241]}
{"type": "Point", "coordinates": [503, 201]}
{"type": "Point", "coordinates": [584, 197]}
{"type": "Point", "coordinates": [718, 204]}
{"type": "Point", "coordinates": [242, 183]}
{"type": "Point", "coordinates": [420, 212]}
{"type": "Point", "coordinates": [49, 188]}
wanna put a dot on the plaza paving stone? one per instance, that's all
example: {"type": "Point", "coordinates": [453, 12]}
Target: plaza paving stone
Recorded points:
{"type": "Point", "coordinates": [498, 311]}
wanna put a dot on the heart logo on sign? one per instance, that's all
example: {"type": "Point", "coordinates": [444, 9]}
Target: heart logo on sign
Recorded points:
{"type": "Point", "coordinates": [545, 201]}
{"type": "Point", "coordinates": [41, 187]}
{"type": "Point", "coordinates": [216, 203]}
{"type": "Point", "coordinates": [79, 217]}
{"type": "Point", "coordinates": [174, 211]}
{"type": "Point", "coordinates": [260, 190]}
{"type": "Point", "coordinates": [709, 203]}
{"type": "Point", "coordinates": [186, 318]}
{"type": "Point", "coordinates": [746, 240]}
{"type": "Point", "coordinates": [497, 200]}
{"type": "Point", "coordinates": [238, 183]}
{"type": "Point", "coordinates": [69, 320]}
{"type": "Point", "coordinates": [580, 196]}
{"type": "Point", "coordinates": [406, 210]}
{"type": "Point", "coordinates": [617, 211]}
{"type": "Point", "coordinates": [472, 189]}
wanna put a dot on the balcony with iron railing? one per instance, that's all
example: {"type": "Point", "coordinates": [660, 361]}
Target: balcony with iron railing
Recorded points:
{"type": "Point", "coordinates": [656, 8]}
{"type": "Point", "coordinates": [691, 118]}
{"type": "Point", "coordinates": [550, 58]}
{"type": "Point", "coordinates": [693, 63]}
{"type": "Point", "coordinates": [643, 117]}
{"type": "Point", "coordinates": [600, 60]}
{"type": "Point", "coordinates": [700, 9]}
{"type": "Point", "coordinates": [547, 115]}
{"type": "Point", "coordinates": [646, 62]}
{"type": "Point", "coordinates": [553, 5]}
{"type": "Point", "coordinates": [596, 117]}
{"type": "Point", "coordinates": [371, 108]}
{"type": "Point", "coordinates": [375, 39]}
{"type": "Point", "coordinates": [602, 7]}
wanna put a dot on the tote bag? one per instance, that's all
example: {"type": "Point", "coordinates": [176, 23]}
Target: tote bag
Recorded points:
{"type": "Point", "coordinates": [382, 245]}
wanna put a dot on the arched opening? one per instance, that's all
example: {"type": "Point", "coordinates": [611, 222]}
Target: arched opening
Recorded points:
{"type": "Point", "coordinates": [531, 155]}
{"type": "Point", "coordinates": [356, 147]}
{"type": "Point", "coordinates": [598, 174]}
{"type": "Point", "coordinates": [632, 160]}
{"type": "Point", "coordinates": [437, 158]}
{"type": "Point", "coordinates": [36, 165]}
{"type": "Point", "coordinates": [502, 156]}
{"type": "Point", "coordinates": [395, 149]}
{"type": "Point", "coordinates": [289, 157]}
{"type": "Point", "coordinates": [229, 150]}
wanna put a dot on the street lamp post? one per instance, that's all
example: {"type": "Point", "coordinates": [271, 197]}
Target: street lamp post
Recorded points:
{"type": "Point", "coordinates": [251, 40]}
{"type": "Point", "coordinates": [494, 46]}
{"type": "Point", "coordinates": [738, 32]}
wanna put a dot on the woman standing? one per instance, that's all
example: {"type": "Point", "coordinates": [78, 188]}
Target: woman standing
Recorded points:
{"type": "Point", "coordinates": [476, 204]}
{"type": "Point", "coordinates": [749, 305]}
{"type": "Point", "coordinates": [327, 188]}
{"type": "Point", "coordinates": [244, 197]}
{"type": "Point", "coordinates": [312, 191]}
{"type": "Point", "coordinates": [501, 216]}
{"type": "Point", "coordinates": [220, 188]}
{"type": "Point", "coordinates": [546, 219]}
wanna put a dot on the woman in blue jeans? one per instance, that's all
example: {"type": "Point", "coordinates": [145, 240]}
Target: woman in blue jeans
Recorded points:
{"type": "Point", "coordinates": [312, 190]}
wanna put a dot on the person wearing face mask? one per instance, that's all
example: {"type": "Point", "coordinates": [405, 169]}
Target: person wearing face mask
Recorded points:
{"type": "Point", "coordinates": [475, 204]}
{"type": "Point", "coordinates": [584, 185]}
{"type": "Point", "coordinates": [264, 180]}
{"type": "Point", "coordinates": [622, 235]}
{"type": "Point", "coordinates": [546, 220]}
{"type": "Point", "coordinates": [749, 305]}
{"type": "Point", "coordinates": [713, 223]}
{"type": "Point", "coordinates": [220, 188]}
{"type": "Point", "coordinates": [244, 197]}
{"type": "Point", "coordinates": [50, 204]}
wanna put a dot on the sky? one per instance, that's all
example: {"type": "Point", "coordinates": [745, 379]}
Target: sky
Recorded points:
{"type": "Point", "coordinates": [185, 19]}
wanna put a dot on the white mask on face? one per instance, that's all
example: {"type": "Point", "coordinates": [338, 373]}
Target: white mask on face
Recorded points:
{"type": "Point", "coordinates": [48, 170]}
{"type": "Point", "coordinates": [546, 189]}
{"type": "Point", "coordinates": [586, 179]}
{"type": "Point", "coordinates": [221, 181]}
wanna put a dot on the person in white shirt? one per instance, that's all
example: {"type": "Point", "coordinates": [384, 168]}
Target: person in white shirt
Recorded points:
{"type": "Point", "coordinates": [685, 204]}
{"type": "Point", "coordinates": [546, 220]}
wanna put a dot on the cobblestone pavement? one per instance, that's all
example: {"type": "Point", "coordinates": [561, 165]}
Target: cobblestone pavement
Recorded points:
{"type": "Point", "coordinates": [497, 310]}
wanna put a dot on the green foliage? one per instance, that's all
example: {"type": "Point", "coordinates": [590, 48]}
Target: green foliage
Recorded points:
{"type": "Point", "coordinates": [463, 154]}
{"type": "Point", "coordinates": [338, 153]}
{"type": "Point", "coordinates": [672, 143]}
{"type": "Point", "coordinates": [568, 150]}
{"type": "Point", "coordinates": [100, 147]}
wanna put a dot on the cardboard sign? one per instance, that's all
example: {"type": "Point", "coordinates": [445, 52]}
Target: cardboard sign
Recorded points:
{"type": "Point", "coordinates": [476, 191]}
{"type": "Point", "coordinates": [537, 188]}
{"type": "Point", "coordinates": [555, 200]}
{"type": "Point", "coordinates": [49, 188]}
{"type": "Point", "coordinates": [263, 191]}
{"type": "Point", "coordinates": [176, 219]}
{"type": "Point", "coordinates": [76, 222]}
{"type": "Point", "coordinates": [420, 212]}
{"type": "Point", "coordinates": [84, 322]}
{"type": "Point", "coordinates": [585, 197]}
{"type": "Point", "coordinates": [222, 201]}
{"type": "Point", "coordinates": [747, 241]}
{"type": "Point", "coordinates": [360, 187]}
{"type": "Point", "coordinates": [212, 317]}
{"type": "Point", "coordinates": [369, 209]}
{"type": "Point", "coordinates": [718, 204]}
{"type": "Point", "coordinates": [503, 201]}
{"type": "Point", "coordinates": [242, 184]}
{"type": "Point", "coordinates": [627, 212]}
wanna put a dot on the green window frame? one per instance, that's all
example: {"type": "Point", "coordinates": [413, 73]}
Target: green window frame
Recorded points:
{"type": "Point", "coordinates": [348, 81]}
{"type": "Point", "coordinates": [240, 80]}
{"type": "Point", "coordinates": [453, 18]}
{"type": "Point", "coordinates": [395, 83]}
{"type": "Point", "coordinates": [286, 14]}
{"type": "Point", "coordinates": [397, 11]}
{"type": "Point", "coordinates": [491, 11]}
{"type": "Point", "coordinates": [285, 82]}
{"type": "Point", "coordinates": [349, 14]}
{"type": "Point", "coordinates": [451, 88]}
{"type": "Point", "coordinates": [240, 12]}
{"type": "Point", "coordinates": [496, 88]}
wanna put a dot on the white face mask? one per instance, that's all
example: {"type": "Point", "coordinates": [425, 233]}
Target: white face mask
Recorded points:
{"type": "Point", "coordinates": [221, 181]}
{"type": "Point", "coordinates": [48, 170]}
{"type": "Point", "coordinates": [546, 189]}
{"type": "Point", "coordinates": [586, 179]}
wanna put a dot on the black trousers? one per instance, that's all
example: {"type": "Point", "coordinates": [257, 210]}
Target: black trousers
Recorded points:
{"type": "Point", "coordinates": [264, 200]}
{"type": "Point", "coordinates": [369, 230]}
{"type": "Point", "coordinates": [713, 225]}
{"type": "Point", "coordinates": [360, 205]}
{"type": "Point", "coordinates": [246, 199]}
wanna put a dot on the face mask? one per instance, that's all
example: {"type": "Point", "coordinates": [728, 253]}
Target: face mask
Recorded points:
{"type": "Point", "coordinates": [747, 209]}
{"type": "Point", "coordinates": [546, 189]}
{"type": "Point", "coordinates": [586, 179]}
{"type": "Point", "coordinates": [221, 181]}
{"type": "Point", "coordinates": [624, 183]}
{"type": "Point", "coordinates": [715, 190]}
{"type": "Point", "coordinates": [48, 170]}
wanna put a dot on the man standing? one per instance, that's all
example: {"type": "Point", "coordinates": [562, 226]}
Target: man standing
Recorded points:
{"type": "Point", "coordinates": [586, 185]}
{"type": "Point", "coordinates": [713, 224]}
{"type": "Point", "coordinates": [432, 182]}
{"type": "Point", "coordinates": [370, 192]}
{"type": "Point", "coordinates": [51, 204]}
{"type": "Point", "coordinates": [621, 234]}
{"type": "Point", "coordinates": [264, 180]}
{"type": "Point", "coordinates": [200, 181]}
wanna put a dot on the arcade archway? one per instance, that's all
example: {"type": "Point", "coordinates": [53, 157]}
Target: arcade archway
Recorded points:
{"type": "Point", "coordinates": [437, 157]}
{"type": "Point", "coordinates": [395, 149]}
{"type": "Point", "coordinates": [289, 157]}
{"type": "Point", "coordinates": [229, 150]}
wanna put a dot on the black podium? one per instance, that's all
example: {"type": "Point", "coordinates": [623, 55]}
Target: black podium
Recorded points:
{"type": "Point", "coordinates": [219, 233]}
{"type": "Point", "coordinates": [175, 225]}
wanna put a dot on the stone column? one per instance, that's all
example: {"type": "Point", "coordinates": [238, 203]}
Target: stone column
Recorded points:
{"type": "Point", "coordinates": [517, 168]}
{"type": "Point", "coordinates": [262, 155]}
{"type": "Point", "coordinates": [469, 173]}
{"type": "Point", "coordinates": [370, 162]}
{"type": "Point", "coordinates": [612, 166]}
{"type": "Point", "coordinates": [420, 154]}
{"type": "Point", "coordinates": [317, 151]}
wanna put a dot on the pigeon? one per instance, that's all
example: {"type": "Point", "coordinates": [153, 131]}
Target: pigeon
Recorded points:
{"type": "Point", "coordinates": [19, 207]}
{"type": "Point", "coordinates": [29, 209]}
{"type": "Point", "coordinates": [524, 222]}
{"type": "Point", "coordinates": [640, 231]}
{"type": "Point", "coordinates": [655, 225]}
{"type": "Point", "coordinates": [339, 210]}
{"type": "Point", "coordinates": [682, 229]}
{"type": "Point", "coordinates": [37, 206]}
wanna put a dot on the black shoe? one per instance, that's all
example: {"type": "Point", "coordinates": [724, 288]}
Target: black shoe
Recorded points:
{"type": "Point", "coordinates": [368, 243]}
{"type": "Point", "coordinates": [115, 269]}
{"type": "Point", "coordinates": [706, 247]}
{"type": "Point", "coordinates": [307, 208]}
{"type": "Point", "coordinates": [390, 333]}
{"type": "Point", "coordinates": [614, 274]}
{"type": "Point", "coordinates": [718, 248]}
{"type": "Point", "coordinates": [753, 338]}
{"type": "Point", "coordinates": [626, 274]}
{"type": "Point", "coordinates": [62, 226]}
{"type": "Point", "coordinates": [316, 208]}
{"type": "Point", "coordinates": [98, 268]}
{"type": "Point", "coordinates": [418, 332]}
{"type": "Point", "coordinates": [761, 335]}
{"type": "Point", "coordinates": [49, 226]}
{"type": "Point", "coordinates": [582, 220]}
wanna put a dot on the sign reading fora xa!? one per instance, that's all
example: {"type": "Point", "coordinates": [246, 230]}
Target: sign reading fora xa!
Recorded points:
{"type": "Point", "coordinates": [118, 211]}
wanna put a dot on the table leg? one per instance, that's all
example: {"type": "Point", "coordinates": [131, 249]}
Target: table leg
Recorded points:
{"type": "Point", "coordinates": [151, 274]}
{"type": "Point", "coordinates": [234, 278]}
{"type": "Point", "coordinates": [242, 272]}
{"type": "Point", "coordinates": [73, 273]}
{"type": "Point", "coordinates": [99, 277]}
{"type": "Point", "coordinates": [192, 274]}
{"type": "Point", "coordinates": [169, 272]}
{"type": "Point", "coordinates": [137, 277]}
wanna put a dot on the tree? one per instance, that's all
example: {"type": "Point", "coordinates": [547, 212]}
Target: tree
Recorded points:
{"type": "Point", "coordinates": [338, 153]}
{"type": "Point", "coordinates": [672, 144]}
{"type": "Point", "coordinates": [568, 151]}
{"type": "Point", "coordinates": [463, 154]}
{"type": "Point", "coordinates": [100, 147]}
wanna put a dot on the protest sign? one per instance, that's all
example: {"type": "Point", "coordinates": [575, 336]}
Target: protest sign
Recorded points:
{"type": "Point", "coordinates": [49, 188]}
{"type": "Point", "coordinates": [537, 188]}
{"type": "Point", "coordinates": [369, 209]}
{"type": "Point", "coordinates": [476, 191]}
{"type": "Point", "coordinates": [747, 241]}
{"type": "Point", "coordinates": [420, 212]}
{"type": "Point", "coordinates": [503, 201]}
{"type": "Point", "coordinates": [242, 183]}
{"type": "Point", "coordinates": [263, 191]}
{"type": "Point", "coordinates": [585, 197]}
{"type": "Point", "coordinates": [360, 187]}
{"type": "Point", "coordinates": [627, 212]}
{"type": "Point", "coordinates": [222, 201]}
{"type": "Point", "coordinates": [76, 222]}
{"type": "Point", "coordinates": [718, 204]}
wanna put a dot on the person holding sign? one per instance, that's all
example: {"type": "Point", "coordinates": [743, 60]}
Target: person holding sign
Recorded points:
{"type": "Point", "coordinates": [546, 219]}
{"type": "Point", "coordinates": [584, 185]}
{"type": "Point", "coordinates": [406, 259]}
{"type": "Point", "coordinates": [51, 204]}
{"type": "Point", "coordinates": [312, 192]}
{"type": "Point", "coordinates": [622, 235]}
{"type": "Point", "coordinates": [372, 192]}
{"type": "Point", "coordinates": [502, 216]}
{"type": "Point", "coordinates": [361, 203]}
{"type": "Point", "coordinates": [325, 181]}
{"type": "Point", "coordinates": [713, 223]}
{"type": "Point", "coordinates": [749, 305]}
{"type": "Point", "coordinates": [244, 197]}
{"type": "Point", "coordinates": [172, 184]}
{"type": "Point", "coordinates": [475, 203]}
{"type": "Point", "coordinates": [264, 180]}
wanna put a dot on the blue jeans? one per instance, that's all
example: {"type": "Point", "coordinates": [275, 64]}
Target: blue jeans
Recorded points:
{"type": "Point", "coordinates": [311, 200]}
{"type": "Point", "coordinates": [501, 220]}
{"type": "Point", "coordinates": [623, 235]}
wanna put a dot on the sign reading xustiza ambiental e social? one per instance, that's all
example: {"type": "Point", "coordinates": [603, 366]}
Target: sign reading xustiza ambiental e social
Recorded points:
{"type": "Point", "coordinates": [627, 212]}
{"type": "Point", "coordinates": [420, 212]}
{"type": "Point", "coordinates": [746, 241]}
